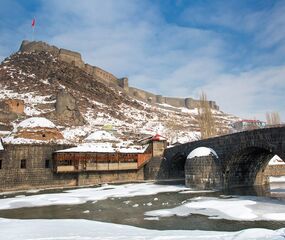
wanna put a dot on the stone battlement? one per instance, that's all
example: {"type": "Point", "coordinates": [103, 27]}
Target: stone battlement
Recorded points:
{"type": "Point", "coordinates": [108, 78]}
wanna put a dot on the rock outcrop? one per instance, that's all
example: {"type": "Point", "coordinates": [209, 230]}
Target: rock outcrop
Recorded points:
{"type": "Point", "coordinates": [67, 110]}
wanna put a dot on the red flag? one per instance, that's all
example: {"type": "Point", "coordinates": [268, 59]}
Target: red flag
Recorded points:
{"type": "Point", "coordinates": [33, 22]}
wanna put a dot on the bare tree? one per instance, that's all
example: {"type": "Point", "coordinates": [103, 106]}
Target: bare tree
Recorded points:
{"type": "Point", "coordinates": [273, 118]}
{"type": "Point", "coordinates": [206, 119]}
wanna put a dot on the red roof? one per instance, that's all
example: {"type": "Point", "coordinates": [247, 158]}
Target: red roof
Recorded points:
{"type": "Point", "coordinates": [158, 137]}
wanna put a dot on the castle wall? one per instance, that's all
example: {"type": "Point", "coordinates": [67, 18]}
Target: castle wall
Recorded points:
{"type": "Point", "coordinates": [109, 79]}
{"type": "Point", "coordinates": [106, 76]}
{"type": "Point", "coordinates": [28, 46]}
{"type": "Point", "coordinates": [142, 95]}
{"type": "Point", "coordinates": [71, 57]}
{"type": "Point", "coordinates": [176, 102]}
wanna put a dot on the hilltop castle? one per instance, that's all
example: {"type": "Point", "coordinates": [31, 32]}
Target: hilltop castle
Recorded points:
{"type": "Point", "coordinates": [109, 79]}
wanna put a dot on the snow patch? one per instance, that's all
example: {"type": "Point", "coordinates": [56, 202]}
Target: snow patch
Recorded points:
{"type": "Point", "coordinates": [236, 208]}
{"type": "Point", "coordinates": [77, 229]}
{"type": "Point", "coordinates": [201, 152]}
{"type": "Point", "coordinates": [82, 195]}
{"type": "Point", "coordinates": [34, 122]}
{"type": "Point", "coordinates": [276, 160]}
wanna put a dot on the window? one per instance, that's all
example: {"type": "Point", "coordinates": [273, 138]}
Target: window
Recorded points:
{"type": "Point", "coordinates": [47, 163]}
{"type": "Point", "coordinates": [0, 163]}
{"type": "Point", "coordinates": [23, 164]}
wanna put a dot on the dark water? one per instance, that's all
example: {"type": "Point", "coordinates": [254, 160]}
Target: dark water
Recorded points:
{"type": "Point", "coordinates": [120, 210]}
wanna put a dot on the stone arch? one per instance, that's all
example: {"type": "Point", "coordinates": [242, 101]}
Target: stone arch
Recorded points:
{"type": "Point", "coordinates": [176, 165]}
{"type": "Point", "coordinates": [246, 165]}
{"type": "Point", "coordinates": [203, 169]}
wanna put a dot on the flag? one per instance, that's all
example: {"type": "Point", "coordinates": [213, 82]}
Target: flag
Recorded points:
{"type": "Point", "coordinates": [33, 22]}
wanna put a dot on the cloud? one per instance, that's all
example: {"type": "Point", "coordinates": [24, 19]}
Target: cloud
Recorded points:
{"type": "Point", "coordinates": [233, 52]}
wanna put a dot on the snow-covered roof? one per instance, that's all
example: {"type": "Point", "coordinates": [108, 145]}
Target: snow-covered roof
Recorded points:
{"type": "Point", "coordinates": [91, 148]}
{"type": "Point", "coordinates": [100, 136]}
{"type": "Point", "coordinates": [202, 151]}
{"type": "Point", "coordinates": [103, 148]}
{"type": "Point", "coordinates": [34, 122]}
{"type": "Point", "coordinates": [276, 161]}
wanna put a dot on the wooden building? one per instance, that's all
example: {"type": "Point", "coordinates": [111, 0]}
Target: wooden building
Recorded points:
{"type": "Point", "coordinates": [95, 157]}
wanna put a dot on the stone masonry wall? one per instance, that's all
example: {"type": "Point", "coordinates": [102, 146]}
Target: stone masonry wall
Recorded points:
{"type": "Point", "coordinates": [108, 78]}
{"type": "Point", "coordinates": [92, 178]}
{"type": "Point", "coordinates": [275, 170]}
{"type": "Point", "coordinates": [36, 173]}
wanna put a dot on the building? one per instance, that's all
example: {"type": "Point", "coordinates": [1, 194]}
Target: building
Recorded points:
{"type": "Point", "coordinates": [42, 164]}
{"type": "Point", "coordinates": [246, 124]}
{"type": "Point", "coordinates": [100, 157]}
{"type": "Point", "coordinates": [38, 128]}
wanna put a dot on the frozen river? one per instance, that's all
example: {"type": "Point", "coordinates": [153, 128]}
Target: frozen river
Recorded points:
{"type": "Point", "coordinates": [144, 211]}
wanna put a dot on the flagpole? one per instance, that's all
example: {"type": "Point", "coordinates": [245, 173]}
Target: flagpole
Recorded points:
{"type": "Point", "coordinates": [33, 27]}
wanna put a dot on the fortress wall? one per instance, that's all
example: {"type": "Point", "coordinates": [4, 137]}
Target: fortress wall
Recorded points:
{"type": "Point", "coordinates": [109, 79]}
{"type": "Point", "coordinates": [142, 95]}
{"type": "Point", "coordinates": [71, 57]}
{"type": "Point", "coordinates": [176, 102]}
{"type": "Point", "coordinates": [124, 83]}
{"type": "Point", "coordinates": [27, 46]}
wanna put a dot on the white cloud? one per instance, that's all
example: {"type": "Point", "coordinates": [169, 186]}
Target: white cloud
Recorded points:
{"type": "Point", "coordinates": [132, 38]}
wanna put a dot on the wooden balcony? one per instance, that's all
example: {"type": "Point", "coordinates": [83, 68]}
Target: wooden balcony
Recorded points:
{"type": "Point", "coordinates": [88, 162]}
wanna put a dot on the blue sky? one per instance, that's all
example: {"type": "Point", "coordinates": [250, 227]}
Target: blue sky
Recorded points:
{"type": "Point", "coordinates": [232, 50]}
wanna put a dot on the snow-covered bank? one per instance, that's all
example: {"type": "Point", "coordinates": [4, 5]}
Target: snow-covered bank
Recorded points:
{"type": "Point", "coordinates": [277, 179]}
{"type": "Point", "coordinates": [82, 195]}
{"type": "Point", "coordinates": [248, 208]}
{"type": "Point", "coordinates": [87, 230]}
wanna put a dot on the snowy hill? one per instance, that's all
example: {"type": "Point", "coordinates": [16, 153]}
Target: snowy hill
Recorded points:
{"type": "Point", "coordinates": [36, 78]}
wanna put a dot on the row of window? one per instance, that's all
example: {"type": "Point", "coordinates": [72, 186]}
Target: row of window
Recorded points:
{"type": "Point", "coordinates": [23, 163]}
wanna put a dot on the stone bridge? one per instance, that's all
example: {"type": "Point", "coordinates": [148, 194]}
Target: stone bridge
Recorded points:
{"type": "Point", "coordinates": [242, 157]}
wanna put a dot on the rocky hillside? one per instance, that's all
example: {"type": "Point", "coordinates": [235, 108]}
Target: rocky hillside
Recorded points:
{"type": "Point", "coordinates": [80, 104]}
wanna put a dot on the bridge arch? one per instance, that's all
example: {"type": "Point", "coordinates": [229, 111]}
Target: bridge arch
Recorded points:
{"type": "Point", "coordinates": [245, 167]}
{"type": "Point", "coordinates": [176, 165]}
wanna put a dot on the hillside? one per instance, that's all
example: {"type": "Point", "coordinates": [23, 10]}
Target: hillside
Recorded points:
{"type": "Point", "coordinates": [44, 83]}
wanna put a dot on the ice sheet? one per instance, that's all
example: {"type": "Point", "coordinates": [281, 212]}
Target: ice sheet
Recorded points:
{"type": "Point", "coordinates": [82, 195]}
{"type": "Point", "coordinates": [86, 230]}
{"type": "Point", "coordinates": [247, 208]}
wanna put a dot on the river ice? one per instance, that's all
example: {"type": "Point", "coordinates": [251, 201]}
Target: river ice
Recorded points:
{"type": "Point", "coordinates": [243, 208]}
{"type": "Point", "coordinates": [68, 229]}
{"type": "Point", "coordinates": [82, 195]}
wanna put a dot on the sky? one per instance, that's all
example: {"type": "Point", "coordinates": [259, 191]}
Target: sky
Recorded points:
{"type": "Point", "coordinates": [232, 50]}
